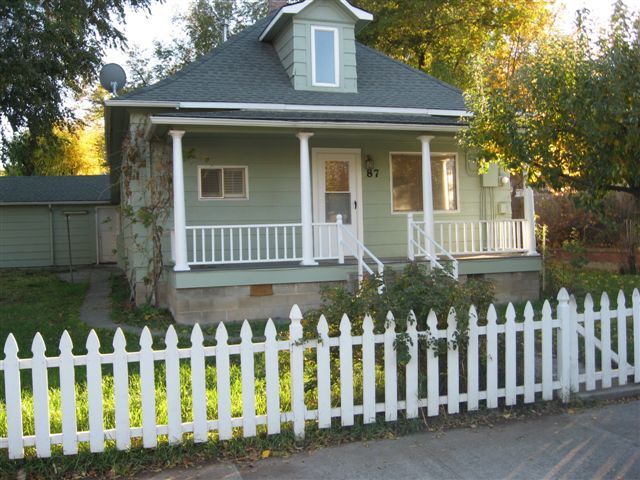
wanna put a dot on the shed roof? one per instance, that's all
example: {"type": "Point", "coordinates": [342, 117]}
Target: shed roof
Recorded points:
{"type": "Point", "coordinates": [63, 189]}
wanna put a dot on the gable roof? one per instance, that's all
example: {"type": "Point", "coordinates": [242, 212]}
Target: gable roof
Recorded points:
{"type": "Point", "coordinates": [63, 189]}
{"type": "Point", "coordinates": [246, 70]}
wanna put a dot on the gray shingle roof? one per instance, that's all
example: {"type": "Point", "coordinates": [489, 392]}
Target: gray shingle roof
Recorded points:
{"type": "Point", "coordinates": [292, 115]}
{"type": "Point", "coordinates": [86, 188]}
{"type": "Point", "coordinates": [249, 71]}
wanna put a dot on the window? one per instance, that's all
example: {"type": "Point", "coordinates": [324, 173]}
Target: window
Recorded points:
{"type": "Point", "coordinates": [222, 182]}
{"type": "Point", "coordinates": [324, 56]}
{"type": "Point", "coordinates": [406, 182]}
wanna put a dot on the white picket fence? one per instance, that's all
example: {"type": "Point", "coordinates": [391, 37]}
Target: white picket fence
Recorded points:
{"type": "Point", "coordinates": [528, 372]}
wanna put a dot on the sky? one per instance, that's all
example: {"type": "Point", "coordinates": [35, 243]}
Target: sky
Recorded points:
{"type": "Point", "coordinates": [142, 29]}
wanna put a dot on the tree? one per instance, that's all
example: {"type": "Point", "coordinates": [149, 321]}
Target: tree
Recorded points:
{"type": "Point", "coordinates": [48, 50]}
{"type": "Point", "coordinates": [569, 115]}
{"type": "Point", "coordinates": [203, 24]}
{"type": "Point", "coordinates": [444, 38]}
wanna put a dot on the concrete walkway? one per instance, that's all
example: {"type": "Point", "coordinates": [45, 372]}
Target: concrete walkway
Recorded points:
{"type": "Point", "coordinates": [599, 443]}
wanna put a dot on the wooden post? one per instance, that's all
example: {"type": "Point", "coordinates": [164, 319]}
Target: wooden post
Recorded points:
{"type": "Point", "coordinates": [564, 343]}
{"type": "Point", "coordinates": [296, 356]}
{"type": "Point", "coordinates": [179, 211]}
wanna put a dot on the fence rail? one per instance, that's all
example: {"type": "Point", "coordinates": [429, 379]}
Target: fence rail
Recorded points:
{"type": "Point", "coordinates": [503, 362]}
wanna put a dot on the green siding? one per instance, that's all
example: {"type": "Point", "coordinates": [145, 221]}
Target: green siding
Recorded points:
{"type": "Point", "coordinates": [25, 236]}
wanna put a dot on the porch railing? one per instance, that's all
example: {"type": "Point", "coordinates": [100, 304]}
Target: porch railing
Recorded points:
{"type": "Point", "coordinates": [419, 244]}
{"type": "Point", "coordinates": [357, 249]}
{"type": "Point", "coordinates": [463, 237]}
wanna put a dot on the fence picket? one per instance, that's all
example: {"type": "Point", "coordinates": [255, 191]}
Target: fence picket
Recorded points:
{"type": "Point", "coordinates": [411, 379]}
{"type": "Point", "coordinates": [433, 367]}
{"type": "Point", "coordinates": [346, 372]}
{"type": "Point", "coordinates": [368, 371]}
{"type": "Point", "coordinates": [121, 390]}
{"type": "Point", "coordinates": [636, 335]}
{"type": "Point", "coordinates": [272, 377]}
{"type": "Point", "coordinates": [172, 381]}
{"type": "Point", "coordinates": [589, 345]}
{"type": "Point", "coordinates": [605, 339]}
{"type": "Point", "coordinates": [390, 371]}
{"type": "Point", "coordinates": [529, 355]}
{"type": "Point", "coordinates": [472, 361]}
{"type": "Point", "coordinates": [223, 383]}
{"type": "Point", "coordinates": [574, 365]}
{"type": "Point", "coordinates": [13, 400]}
{"type": "Point", "coordinates": [453, 367]}
{"type": "Point", "coordinates": [510, 357]}
{"type": "Point", "coordinates": [547, 352]}
{"type": "Point", "coordinates": [94, 394]}
{"type": "Point", "coordinates": [324, 374]}
{"type": "Point", "coordinates": [622, 339]}
{"type": "Point", "coordinates": [492, 358]}
{"type": "Point", "coordinates": [40, 389]}
{"type": "Point", "coordinates": [198, 386]}
{"type": "Point", "coordinates": [297, 371]}
{"type": "Point", "coordinates": [564, 345]}
{"type": "Point", "coordinates": [148, 390]}
{"type": "Point", "coordinates": [68, 396]}
{"type": "Point", "coordinates": [248, 381]}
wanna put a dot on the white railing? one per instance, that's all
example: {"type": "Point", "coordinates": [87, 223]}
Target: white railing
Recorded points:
{"type": "Point", "coordinates": [419, 244]}
{"type": "Point", "coordinates": [461, 237]}
{"type": "Point", "coordinates": [354, 247]}
{"type": "Point", "coordinates": [510, 361]}
{"type": "Point", "coordinates": [325, 241]}
{"type": "Point", "coordinates": [234, 244]}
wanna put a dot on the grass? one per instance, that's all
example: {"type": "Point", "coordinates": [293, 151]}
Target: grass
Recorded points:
{"type": "Point", "coordinates": [37, 301]}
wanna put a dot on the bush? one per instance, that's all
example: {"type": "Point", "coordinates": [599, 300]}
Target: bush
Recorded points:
{"type": "Point", "coordinates": [416, 289]}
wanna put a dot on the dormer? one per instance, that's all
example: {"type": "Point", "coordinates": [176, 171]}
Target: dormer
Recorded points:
{"type": "Point", "coordinates": [315, 40]}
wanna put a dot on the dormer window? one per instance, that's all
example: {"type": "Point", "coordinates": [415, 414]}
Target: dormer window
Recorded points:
{"type": "Point", "coordinates": [325, 56]}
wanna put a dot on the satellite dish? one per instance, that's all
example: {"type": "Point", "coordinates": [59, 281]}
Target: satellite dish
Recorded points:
{"type": "Point", "coordinates": [112, 77]}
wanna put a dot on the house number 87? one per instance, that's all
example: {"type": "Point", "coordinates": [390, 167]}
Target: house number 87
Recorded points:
{"type": "Point", "coordinates": [372, 172]}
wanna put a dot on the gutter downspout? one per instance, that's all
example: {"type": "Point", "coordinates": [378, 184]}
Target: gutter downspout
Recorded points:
{"type": "Point", "coordinates": [51, 239]}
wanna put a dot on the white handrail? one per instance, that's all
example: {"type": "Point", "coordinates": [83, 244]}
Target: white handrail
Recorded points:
{"type": "Point", "coordinates": [358, 252]}
{"type": "Point", "coordinates": [429, 253]}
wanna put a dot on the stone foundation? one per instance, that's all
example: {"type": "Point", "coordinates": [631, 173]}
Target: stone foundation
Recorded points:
{"type": "Point", "coordinates": [515, 286]}
{"type": "Point", "coordinates": [236, 303]}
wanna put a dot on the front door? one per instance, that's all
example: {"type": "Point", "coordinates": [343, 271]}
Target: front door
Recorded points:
{"type": "Point", "coordinates": [336, 190]}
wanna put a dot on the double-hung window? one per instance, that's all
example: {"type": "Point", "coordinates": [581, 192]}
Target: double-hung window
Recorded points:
{"type": "Point", "coordinates": [222, 183]}
{"type": "Point", "coordinates": [406, 182]}
{"type": "Point", "coordinates": [325, 56]}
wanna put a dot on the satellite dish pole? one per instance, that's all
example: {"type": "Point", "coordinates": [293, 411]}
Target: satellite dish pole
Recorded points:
{"type": "Point", "coordinates": [113, 78]}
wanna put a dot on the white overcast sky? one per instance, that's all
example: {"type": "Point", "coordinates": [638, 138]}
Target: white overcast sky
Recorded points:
{"type": "Point", "coordinates": [142, 28]}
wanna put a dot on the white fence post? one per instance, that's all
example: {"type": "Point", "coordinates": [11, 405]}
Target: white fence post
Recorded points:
{"type": "Point", "coordinates": [13, 393]}
{"type": "Point", "coordinates": [575, 352]}
{"type": "Point", "coordinates": [324, 374]}
{"type": "Point", "coordinates": [121, 390]}
{"type": "Point", "coordinates": [530, 217]}
{"type": "Point", "coordinates": [368, 371]}
{"type": "Point", "coordinates": [272, 378]}
{"type": "Point", "coordinates": [172, 382]}
{"type": "Point", "coordinates": [346, 372]}
{"type": "Point", "coordinates": [433, 367]}
{"type": "Point", "coordinates": [472, 361]}
{"type": "Point", "coordinates": [564, 352]}
{"type": "Point", "coordinates": [248, 381]}
{"type": "Point", "coordinates": [453, 367]}
{"type": "Point", "coordinates": [605, 339]}
{"type": "Point", "coordinates": [589, 344]}
{"type": "Point", "coordinates": [198, 386]}
{"type": "Point", "coordinates": [390, 371]}
{"type": "Point", "coordinates": [297, 371]}
{"type": "Point", "coordinates": [94, 394]}
{"type": "Point", "coordinates": [492, 358]}
{"type": "Point", "coordinates": [622, 339]}
{"type": "Point", "coordinates": [529, 355]}
{"type": "Point", "coordinates": [148, 390]}
{"type": "Point", "coordinates": [510, 357]}
{"type": "Point", "coordinates": [411, 379]}
{"type": "Point", "coordinates": [223, 383]}
{"type": "Point", "coordinates": [547, 352]}
{"type": "Point", "coordinates": [636, 335]}
{"type": "Point", "coordinates": [68, 396]}
{"type": "Point", "coordinates": [40, 379]}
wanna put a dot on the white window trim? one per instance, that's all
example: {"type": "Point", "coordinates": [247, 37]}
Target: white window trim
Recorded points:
{"type": "Point", "coordinates": [336, 55]}
{"type": "Point", "coordinates": [223, 198]}
{"type": "Point", "coordinates": [420, 212]}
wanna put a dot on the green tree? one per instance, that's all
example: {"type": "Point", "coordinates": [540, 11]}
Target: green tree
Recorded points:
{"type": "Point", "coordinates": [48, 50]}
{"type": "Point", "coordinates": [202, 24]}
{"type": "Point", "coordinates": [444, 37]}
{"type": "Point", "coordinates": [568, 116]}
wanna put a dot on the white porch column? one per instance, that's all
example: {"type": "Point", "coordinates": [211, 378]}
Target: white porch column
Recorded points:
{"type": "Point", "coordinates": [179, 215]}
{"type": "Point", "coordinates": [306, 212]}
{"type": "Point", "coordinates": [427, 191]}
{"type": "Point", "coordinates": [529, 216]}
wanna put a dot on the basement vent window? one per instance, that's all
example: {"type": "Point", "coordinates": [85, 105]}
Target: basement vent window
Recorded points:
{"type": "Point", "coordinates": [215, 183]}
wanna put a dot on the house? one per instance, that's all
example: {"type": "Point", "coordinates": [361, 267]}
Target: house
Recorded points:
{"type": "Point", "coordinates": [302, 158]}
{"type": "Point", "coordinates": [46, 220]}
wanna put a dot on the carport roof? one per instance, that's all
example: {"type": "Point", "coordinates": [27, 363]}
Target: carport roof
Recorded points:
{"type": "Point", "coordinates": [63, 189]}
